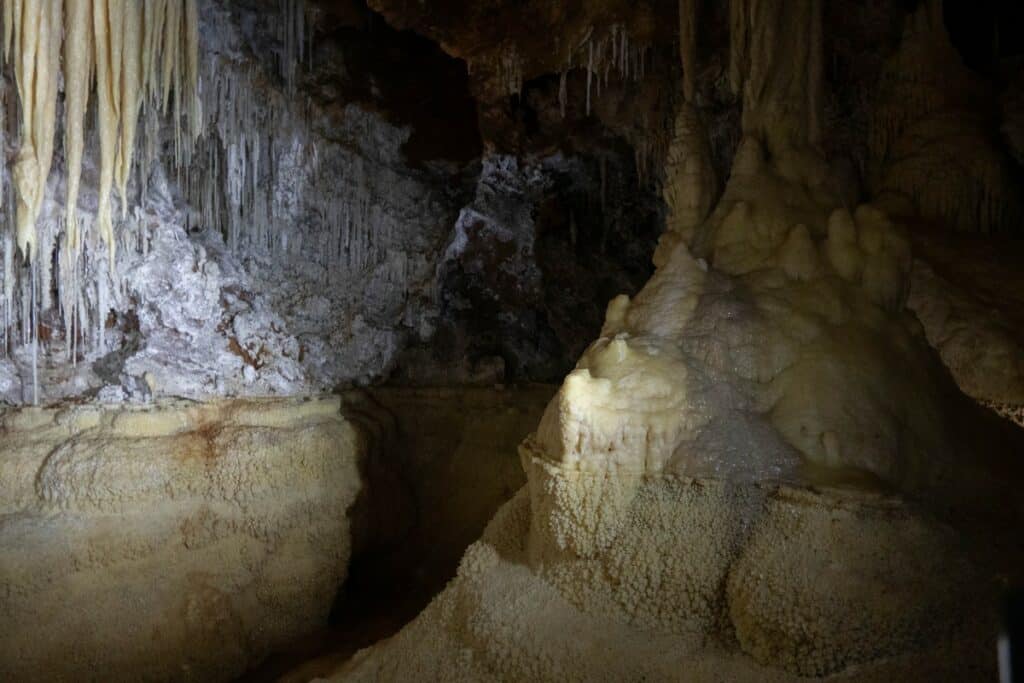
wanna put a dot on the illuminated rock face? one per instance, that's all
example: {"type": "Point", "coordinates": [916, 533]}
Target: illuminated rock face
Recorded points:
{"type": "Point", "coordinates": [709, 581]}
{"type": "Point", "coordinates": [175, 541]}
{"type": "Point", "coordinates": [761, 469]}
{"type": "Point", "coordinates": [787, 356]}
{"type": "Point", "coordinates": [966, 297]}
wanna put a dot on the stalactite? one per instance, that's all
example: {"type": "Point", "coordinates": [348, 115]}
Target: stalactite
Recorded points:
{"type": "Point", "coordinates": [170, 63]}
{"type": "Point", "coordinates": [563, 92]}
{"type": "Point", "coordinates": [77, 66]}
{"type": "Point", "coordinates": [293, 37]}
{"type": "Point", "coordinates": [191, 80]}
{"type": "Point", "coordinates": [603, 55]}
{"type": "Point", "coordinates": [816, 74]}
{"type": "Point", "coordinates": [112, 46]}
{"type": "Point", "coordinates": [106, 118]}
{"type": "Point", "coordinates": [130, 96]}
{"type": "Point", "coordinates": [37, 35]}
{"type": "Point", "coordinates": [739, 13]}
{"type": "Point", "coordinates": [590, 72]}
{"type": "Point", "coordinates": [688, 46]}
{"type": "Point", "coordinates": [9, 14]}
{"type": "Point", "coordinates": [155, 13]}
{"type": "Point", "coordinates": [256, 167]}
{"type": "Point", "coordinates": [782, 87]}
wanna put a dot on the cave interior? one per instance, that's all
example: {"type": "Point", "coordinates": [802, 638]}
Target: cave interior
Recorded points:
{"type": "Point", "coordinates": [518, 340]}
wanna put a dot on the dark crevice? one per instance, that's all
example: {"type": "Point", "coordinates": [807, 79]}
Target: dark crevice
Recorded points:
{"type": "Point", "coordinates": [406, 78]}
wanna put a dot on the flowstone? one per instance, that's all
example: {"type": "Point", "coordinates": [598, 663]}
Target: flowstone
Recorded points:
{"type": "Point", "coordinates": [761, 470]}
{"type": "Point", "coordinates": [173, 541]}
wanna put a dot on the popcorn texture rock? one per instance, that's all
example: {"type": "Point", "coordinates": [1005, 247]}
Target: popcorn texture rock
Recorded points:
{"type": "Point", "coordinates": [760, 471]}
{"type": "Point", "coordinates": [194, 537]}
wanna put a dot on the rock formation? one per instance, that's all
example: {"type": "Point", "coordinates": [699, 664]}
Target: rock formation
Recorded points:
{"type": "Point", "coordinates": [767, 249]}
{"type": "Point", "coordinates": [760, 470]}
{"type": "Point", "coordinates": [171, 541]}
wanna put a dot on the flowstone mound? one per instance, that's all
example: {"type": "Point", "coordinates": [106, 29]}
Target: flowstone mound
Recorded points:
{"type": "Point", "coordinates": [194, 537]}
{"type": "Point", "coordinates": [500, 621]}
{"type": "Point", "coordinates": [970, 301]}
{"type": "Point", "coordinates": [760, 471]}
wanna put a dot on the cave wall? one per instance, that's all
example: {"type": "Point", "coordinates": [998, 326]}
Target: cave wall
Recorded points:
{"type": "Point", "coordinates": [171, 541]}
{"type": "Point", "coordinates": [450, 195]}
{"type": "Point", "coordinates": [312, 237]}
{"type": "Point", "coordinates": [762, 454]}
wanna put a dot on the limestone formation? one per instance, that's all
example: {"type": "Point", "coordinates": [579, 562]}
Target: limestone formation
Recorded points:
{"type": "Point", "coordinates": [760, 470]}
{"type": "Point", "coordinates": [172, 541]}
{"type": "Point", "coordinates": [701, 498]}
{"type": "Point", "coordinates": [935, 155]}
{"type": "Point", "coordinates": [280, 275]}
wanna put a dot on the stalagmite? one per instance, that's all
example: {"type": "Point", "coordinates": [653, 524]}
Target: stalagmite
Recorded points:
{"type": "Point", "coordinates": [755, 456]}
{"type": "Point", "coordinates": [690, 182]}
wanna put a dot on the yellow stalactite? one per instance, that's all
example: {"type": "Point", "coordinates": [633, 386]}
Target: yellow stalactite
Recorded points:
{"type": "Point", "coordinates": [172, 34]}
{"type": "Point", "coordinates": [123, 48]}
{"type": "Point", "coordinates": [131, 96]}
{"type": "Point", "coordinates": [106, 118]}
{"type": "Point", "coordinates": [77, 84]}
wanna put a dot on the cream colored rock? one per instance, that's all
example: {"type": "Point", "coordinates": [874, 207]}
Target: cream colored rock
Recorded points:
{"type": "Point", "coordinates": [760, 471]}
{"type": "Point", "coordinates": [661, 604]}
{"type": "Point", "coordinates": [976, 338]}
{"type": "Point", "coordinates": [690, 180]}
{"type": "Point", "coordinates": [932, 150]}
{"type": "Point", "coordinates": [827, 580]}
{"type": "Point", "coordinates": [173, 542]}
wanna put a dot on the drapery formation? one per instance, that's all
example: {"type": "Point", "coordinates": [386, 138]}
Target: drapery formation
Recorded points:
{"type": "Point", "coordinates": [126, 53]}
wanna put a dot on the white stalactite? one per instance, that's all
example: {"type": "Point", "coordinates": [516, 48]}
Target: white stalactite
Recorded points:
{"type": "Point", "coordinates": [106, 117]}
{"type": "Point", "coordinates": [37, 36]}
